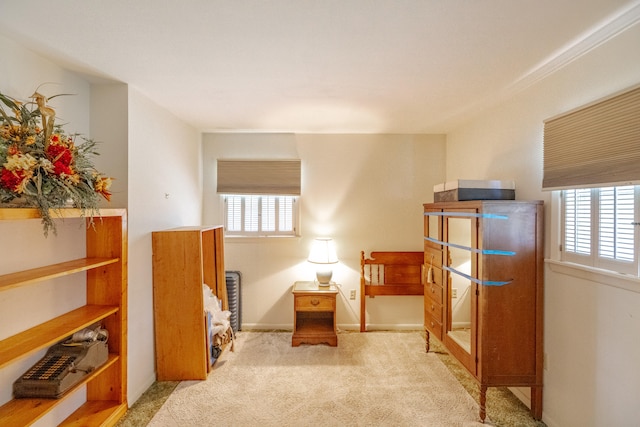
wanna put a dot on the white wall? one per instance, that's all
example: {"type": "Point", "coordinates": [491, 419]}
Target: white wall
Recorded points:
{"type": "Point", "coordinates": [23, 243]}
{"type": "Point", "coordinates": [109, 126]}
{"type": "Point", "coordinates": [591, 328]}
{"type": "Point", "coordinates": [364, 191]}
{"type": "Point", "coordinates": [165, 191]}
{"type": "Point", "coordinates": [155, 159]}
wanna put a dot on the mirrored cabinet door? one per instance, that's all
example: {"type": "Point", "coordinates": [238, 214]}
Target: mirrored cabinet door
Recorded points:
{"type": "Point", "coordinates": [460, 293]}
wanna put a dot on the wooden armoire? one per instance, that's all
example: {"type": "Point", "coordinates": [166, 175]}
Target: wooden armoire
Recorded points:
{"type": "Point", "coordinates": [484, 290]}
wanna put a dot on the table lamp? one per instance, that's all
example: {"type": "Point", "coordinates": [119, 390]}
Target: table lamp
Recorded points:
{"type": "Point", "coordinates": [323, 253]}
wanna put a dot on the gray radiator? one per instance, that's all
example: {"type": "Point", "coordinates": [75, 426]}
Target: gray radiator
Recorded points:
{"type": "Point", "coordinates": [233, 295]}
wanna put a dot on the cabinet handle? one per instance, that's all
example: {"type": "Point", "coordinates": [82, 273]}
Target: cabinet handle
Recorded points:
{"type": "Point", "coordinates": [432, 307]}
{"type": "Point", "coordinates": [315, 301]}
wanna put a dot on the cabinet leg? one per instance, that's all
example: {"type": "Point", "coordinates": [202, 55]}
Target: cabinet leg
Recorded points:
{"type": "Point", "coordinates": [483, 403]}
{"type": "Point", "coordinates": [427, 343]}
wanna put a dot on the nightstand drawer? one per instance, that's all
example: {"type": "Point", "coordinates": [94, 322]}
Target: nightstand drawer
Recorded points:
{"type": "Point", "coordinates": [315, 303]}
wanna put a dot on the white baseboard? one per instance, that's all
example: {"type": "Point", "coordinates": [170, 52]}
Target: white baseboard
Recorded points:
{"type": "Point", "coordinates": [521, 395]}
{"type": "Point", "coordinates": [392, 327]}
{"type": "Point", "coordinates": [134, 395]}
{"type": "Point", "coordinates": [341, 327]}
{"type": "Point", "coordinates": [266, 327]}
{"type": "Point", "coordinates": [519, 392]}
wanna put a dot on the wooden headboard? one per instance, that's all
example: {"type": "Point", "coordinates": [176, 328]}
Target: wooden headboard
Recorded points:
{"type": "Point", "coordinates": [389, 273]}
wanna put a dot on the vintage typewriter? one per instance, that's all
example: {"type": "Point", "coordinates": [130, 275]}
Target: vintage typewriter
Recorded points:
{"type": "Point", "coordinates": [64, 365]}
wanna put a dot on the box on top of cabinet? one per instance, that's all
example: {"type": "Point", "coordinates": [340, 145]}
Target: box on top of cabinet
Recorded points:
{"type": "Point", "coordinates": [469, 189]}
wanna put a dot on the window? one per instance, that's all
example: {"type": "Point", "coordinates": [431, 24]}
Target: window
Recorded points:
{"type": "Point", "coordinates": [600, 227]}
{"type": "Point", "coordinates": [596, 146]}
{"type": "Point", "coordinates": [260, 215]}
{"type": "Point", "coordinates": [260, 197]}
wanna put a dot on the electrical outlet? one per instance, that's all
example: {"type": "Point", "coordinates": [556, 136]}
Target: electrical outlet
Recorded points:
{"type": "Point", "coordinates": [352, 295]}
{"type": "Point", "coordinates": [454, 292]}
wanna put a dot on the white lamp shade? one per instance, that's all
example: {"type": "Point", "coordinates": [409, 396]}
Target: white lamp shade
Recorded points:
{"type": "Point", "coordinates": [323, 251]}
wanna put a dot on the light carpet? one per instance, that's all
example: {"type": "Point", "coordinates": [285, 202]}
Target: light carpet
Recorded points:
{"type": "Point", "coordinates": [370, 379]}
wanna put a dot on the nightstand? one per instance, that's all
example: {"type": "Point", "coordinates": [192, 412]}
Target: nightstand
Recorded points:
{"type": "Point", "coordinates": [314, 314]}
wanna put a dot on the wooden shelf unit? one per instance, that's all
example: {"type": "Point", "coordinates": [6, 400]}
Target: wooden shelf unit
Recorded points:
{"type": "Point", "coordinates": [106, 289]}
{"type": "Point", "coordinates": [184, 259]}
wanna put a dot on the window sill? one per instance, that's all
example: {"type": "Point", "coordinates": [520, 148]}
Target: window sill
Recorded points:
{"type": "Point", "coordinates": [256, 239]}
{"type": "Point", "coordinates": [603, 277]}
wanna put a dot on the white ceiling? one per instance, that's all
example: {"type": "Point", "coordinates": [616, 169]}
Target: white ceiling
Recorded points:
{"type": "Point", "coordinates": [381, 66]}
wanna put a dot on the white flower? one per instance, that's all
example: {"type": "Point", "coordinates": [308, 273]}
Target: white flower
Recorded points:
{"type": "Point", "coordinates": [46, 165]}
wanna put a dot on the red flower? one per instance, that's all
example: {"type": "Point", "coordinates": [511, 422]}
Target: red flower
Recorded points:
{"type": "Point", "coordinates": [60, 168]}
{"type": "Point", "coordinates": [61, 157]}
{"type": "Point", "coordinates": [11, 179]}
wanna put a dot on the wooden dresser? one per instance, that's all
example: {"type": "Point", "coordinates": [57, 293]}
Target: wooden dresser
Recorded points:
{"type": "Point", "coordinates": [484, 290]}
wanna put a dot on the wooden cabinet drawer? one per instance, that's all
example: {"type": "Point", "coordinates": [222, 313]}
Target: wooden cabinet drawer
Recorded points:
{"type": "Point", "coordinates": [433, 291]}
{"type": "Point", "coordinates": [314, 303]}
{"type": "Point", "coordinates": [433, 325]}
{"type": "Point", "coordinates": [432, 256]}
{"type": "Point", "coordinates": [436, 275]}
{"type": "Point", "coordinates": [432, 308]}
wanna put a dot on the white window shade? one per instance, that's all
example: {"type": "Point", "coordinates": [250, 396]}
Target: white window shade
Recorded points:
{"type": "Point", "coordinates": [279, 177]}
{"type": "Point", "coordinates": [595, 145]}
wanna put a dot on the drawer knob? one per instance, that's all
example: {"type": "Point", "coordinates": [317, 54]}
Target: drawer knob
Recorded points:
{"type": "Point", "coordinates": [315, 301]}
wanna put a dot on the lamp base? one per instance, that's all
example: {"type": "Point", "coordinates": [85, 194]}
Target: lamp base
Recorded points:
{"type": "Point", "coordinates": [324, 277]}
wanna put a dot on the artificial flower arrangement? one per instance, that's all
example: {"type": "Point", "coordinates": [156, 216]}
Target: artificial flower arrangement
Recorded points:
{"type": "Point", "coordinates": [41, 166]}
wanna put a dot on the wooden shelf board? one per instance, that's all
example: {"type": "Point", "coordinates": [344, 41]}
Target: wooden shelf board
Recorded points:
{"type": "Point", "coordinates": [96, 413]}
{"type": "Point", "coordinates": [33, 213]}
{"type": "Point", "coordinates": [51, 332]}
{"type": "Point", "coordinates": [25, 277]}
{"type": "Point", "coordinates": [318, 325]}
{"type": "Point", "coordinates": [23, 412]}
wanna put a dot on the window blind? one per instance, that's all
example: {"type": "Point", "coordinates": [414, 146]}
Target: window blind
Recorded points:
{"type": "Point", "coordinates": [577, 223]}
{"type": "Point", "coordinates": [260, 215]}
{"type": "Point", "coordinates": [595, 145]}
{"type": "Point", "coordinates": [281, 177]}
{"type": "Point", "coordinates": [616, 223]}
